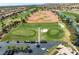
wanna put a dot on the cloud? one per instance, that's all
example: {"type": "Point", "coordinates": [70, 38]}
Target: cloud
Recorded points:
{"type": "Point", "coordinates": [26, 2]}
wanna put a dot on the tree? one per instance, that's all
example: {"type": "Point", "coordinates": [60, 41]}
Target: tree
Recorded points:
{"type": "Point", "coordinates": [4, 30]}
{"type": "Point", "coordinates": [77, 19]}
{"type": "Point", "coordinates": [23, 21]}
{"type": "Point", "coordinates": [9, 47]}
{"type": "Point", "coordinates": [2, 23]}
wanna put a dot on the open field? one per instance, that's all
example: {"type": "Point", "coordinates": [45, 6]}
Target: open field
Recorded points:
{"type": "Point", "coordinates": [43, 17]}
{"type": "Point", "coordinates": [28, 32]}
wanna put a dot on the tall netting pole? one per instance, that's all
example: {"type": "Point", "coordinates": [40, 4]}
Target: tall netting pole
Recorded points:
{"type": "Point", "coordinates": [39, 36]}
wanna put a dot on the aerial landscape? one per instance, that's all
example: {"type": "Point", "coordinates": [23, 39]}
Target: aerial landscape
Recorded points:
{"type": "Point", "coordinates": [42, 29]}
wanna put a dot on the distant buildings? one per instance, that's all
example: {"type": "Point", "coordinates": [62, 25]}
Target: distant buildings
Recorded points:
{"type": "Point", "coordinates": [5, 12]}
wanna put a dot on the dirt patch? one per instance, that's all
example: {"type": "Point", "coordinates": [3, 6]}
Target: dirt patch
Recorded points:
{"type": "Point", "coordinates": [43, 17]}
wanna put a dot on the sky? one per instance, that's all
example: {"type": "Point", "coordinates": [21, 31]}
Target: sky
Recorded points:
{"type": "Point", "coordinates": [13, 4]}
{"type": "Point", "coordinates": [30, 2]}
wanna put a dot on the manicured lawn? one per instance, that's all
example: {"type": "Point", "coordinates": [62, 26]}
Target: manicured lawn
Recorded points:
{"type": "Point", "coordinates": [54, 34]}
{"type": "Point", "coordinates": [29, 32]}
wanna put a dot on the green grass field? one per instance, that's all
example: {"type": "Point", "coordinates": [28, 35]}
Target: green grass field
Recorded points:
{"type": "Point", "coordinates": [28, 32]}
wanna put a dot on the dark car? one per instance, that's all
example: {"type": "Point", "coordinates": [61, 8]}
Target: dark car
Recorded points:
{"type": "Point", "coordinates": [38, 46]}
{"type": "Point", "coordinates": [11, 52]}
{"type": "Point", "coordinates": [30, 50]}
{"type": "Point", "coordinates": [18, 42]}
{"type": "Point", "coordinates": [5, 53]}
{"type": "Point", "coordinates": [7, 41]}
